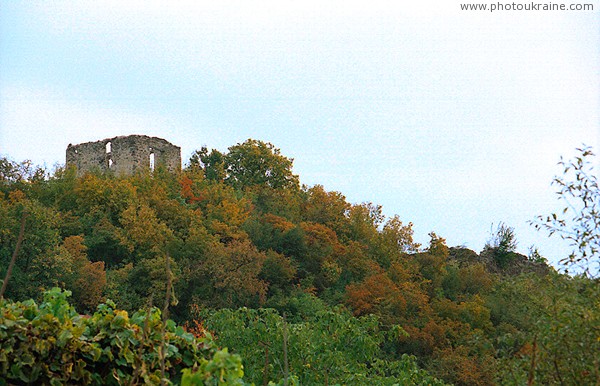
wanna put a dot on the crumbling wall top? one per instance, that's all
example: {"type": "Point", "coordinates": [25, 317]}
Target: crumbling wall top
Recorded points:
{"type": "Point", "coordinates": [124, 155]}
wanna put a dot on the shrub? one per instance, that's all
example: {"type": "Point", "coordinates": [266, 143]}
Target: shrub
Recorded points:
{"type": "Point", "coordinates": [52, 344]}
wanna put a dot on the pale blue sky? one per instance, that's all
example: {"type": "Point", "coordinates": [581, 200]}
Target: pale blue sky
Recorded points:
{"type": "Point", "coordinates": [453, 120]}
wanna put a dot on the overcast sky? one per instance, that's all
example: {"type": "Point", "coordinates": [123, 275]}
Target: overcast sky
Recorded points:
{"type": "Point", "coordinates": [452, 119]}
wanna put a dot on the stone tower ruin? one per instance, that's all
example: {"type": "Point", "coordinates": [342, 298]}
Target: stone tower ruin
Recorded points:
{"type": "Point", "coordinates": [124, 155]}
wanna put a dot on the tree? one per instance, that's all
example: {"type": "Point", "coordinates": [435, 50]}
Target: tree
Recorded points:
{"type": "Point", "coordinates": [398, 237]}
{"type": "Point", "coordinates": [554, 334]}
{"type": "Point", "coordinates": [227, 275]}
{"type": "Point", "coordinates": [36, 266]}
{"type": "Point", "coordinates": [327, 208]}
{"type": "Point", "coordinates": [432, 263]}
{"type": "Point", "coordinates": [259, 163]}
{"type": "Point", "coordinates": [17, 175]}
{"type": "Point", "coordinates": [278, 270]}
{"type": "Point", "coordinates": [224, 211]}
{"type": "Point", "coordinates": [85, 279]}
{"type": "Point", "coordinates": [320, 258]}
{"type": "Point", "coordinates": [379, 295]}
{"type": "Point", "coordinates": [143, 234]}
{"type": "Point", "coordinates": [364, 221]}
{"type": "Point", "coordinates": [502, 244]}
{"type": "Point", "coordinates": [579, 221]}
{"type": "Point", "coordinates": [213, 163]}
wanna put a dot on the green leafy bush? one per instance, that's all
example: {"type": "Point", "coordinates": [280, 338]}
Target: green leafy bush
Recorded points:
{"type": "Point", "coordinates": [52, 344]}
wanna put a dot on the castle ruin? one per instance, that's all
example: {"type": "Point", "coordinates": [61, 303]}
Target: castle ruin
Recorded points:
{"type": "Point", "coordinates": [124, 155]}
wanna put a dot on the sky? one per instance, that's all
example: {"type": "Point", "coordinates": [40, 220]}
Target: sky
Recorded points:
{"type": "Point", "coordinates": [453, 120]}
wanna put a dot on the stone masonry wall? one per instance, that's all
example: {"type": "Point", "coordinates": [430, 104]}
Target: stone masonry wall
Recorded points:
{"type": "Point", "coordinates": [124, 155]}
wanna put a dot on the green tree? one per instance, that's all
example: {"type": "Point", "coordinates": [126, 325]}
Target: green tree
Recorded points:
{"type": "Point", "coordinates": [213, 163]}
{"type": "Point", "coordinates": [364, 221]}
{"type": "Point", "coordinates": [259, 163]}
{"type": "Point", "coordinates": [278, 270]}
{"type": "Point", "coordinates": [502, 245]}
{"type": "Point", "coordinates": [326, 208]}
{"type": "Point", "coordinates": [397, 239]}
{"type": "Point", "coordinates": [432, 264]}
{"type": "Point", "coordinates": [548, 328]}
{"type": "Point", "coordinates": [36, 267]}
{"type": "Point", "coordinates": [21, 175]}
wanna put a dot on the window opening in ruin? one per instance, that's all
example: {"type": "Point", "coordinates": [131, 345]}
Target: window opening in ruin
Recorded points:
{"type": "Point", "coordinates": [108, 146]}
{"type": "Point", "coordinates": [110, 163]}
{"type": "Point", "coordinates": [152, 161]}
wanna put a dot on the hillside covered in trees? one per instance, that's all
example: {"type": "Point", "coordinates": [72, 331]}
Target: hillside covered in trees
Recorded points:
{"type": "Point", "coordinates": [301, 285]}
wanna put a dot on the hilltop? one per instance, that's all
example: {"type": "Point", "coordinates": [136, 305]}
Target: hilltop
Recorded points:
{"type": "Point", "coordinates": [249, 255]}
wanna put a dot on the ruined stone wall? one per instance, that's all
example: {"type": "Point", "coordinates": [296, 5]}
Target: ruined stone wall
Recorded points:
{"type": "Point", "coordinates": [124, 155]}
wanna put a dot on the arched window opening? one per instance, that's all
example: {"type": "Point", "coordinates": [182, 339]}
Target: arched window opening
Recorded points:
{"type": "Point", "coordinates": [152, 161]}
{"type": "Point", "coordinates": [110, 163]}
{"type": "Point", "coordinates": [108, 147]}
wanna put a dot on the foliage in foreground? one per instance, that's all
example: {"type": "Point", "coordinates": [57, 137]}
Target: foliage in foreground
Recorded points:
{"type": "Point", "coordinates": [52, 344]}
{"type": "Point", "coordinates": [332, 347]}
{"type": "Point", "coordinates": [558, 340]}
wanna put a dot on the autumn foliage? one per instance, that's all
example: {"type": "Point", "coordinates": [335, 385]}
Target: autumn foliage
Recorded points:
{"type": "Point", "coordinates": [241, 233]}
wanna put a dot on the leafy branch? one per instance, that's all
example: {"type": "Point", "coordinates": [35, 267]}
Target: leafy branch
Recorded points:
{"type": "Point", "coordinates": [579, 220]}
